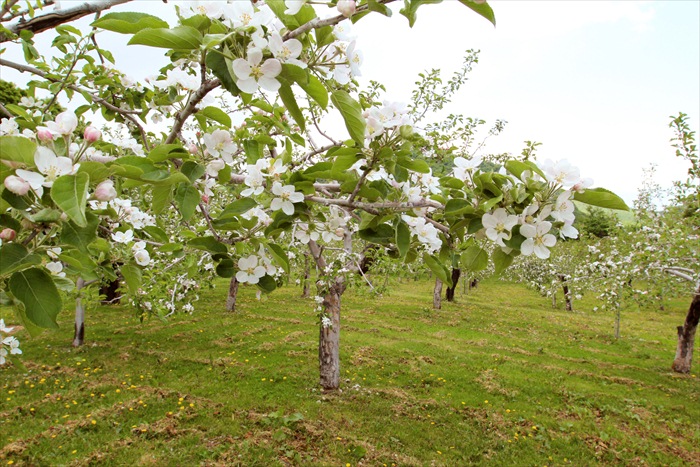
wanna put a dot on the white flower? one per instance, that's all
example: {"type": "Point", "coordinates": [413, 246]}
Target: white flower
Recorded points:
{"type": "Point", "coordinates": [51, 165]}
{"type": "Point", "coordinates": [346, 7]}
{"type": "Point", "coordinates": [56, 268]}
{"type": "Point", "coordinates": [142, 257]}
{"type": "Point", "coordinates": [105, 191]}
{"type": "Point", "coordinates": [254, 181]}
{"type": "Point", "coordinates": [354, 59]}
{"type": "Point", "coordinates": [293, 6]}
{"type": "Point", "coordinates": [140, 245]}
{"type": "Point", "coordinates": [561, 172]}
{"type": "Point", "coordinates": [178, 77]}
{"type": "Point", "coordinates": [65, 123]}
{"type": "Point", "coordinates": [188, 308]}
{"type": "Point", "coordinates": [343, 31]}
{"type": "Point", "coordinates": [123, 237]}
{"type": "Point", "coordinates": [303, 234]}
{"type": "Point", "coordinates": [213, 10]}
{"type": "Point", "coordinates": [249, 271]}
{"type": "Point", "coordinates": [54, 252]}
{"type": "Point", "coordinates": [464, 166]}
{"type": "Point", "coordinates": [251, 73]}
{"type": "Point", "coordinates": [3, 328]}
{"type": "Point", "coordinates": [214, 167]}
{"type": "Point", "coordinates": [326, 322]}
{"type": "Point", "coordinates": [8, 126]}
{"type": "Point", "coordinates": [286, 51]}
{"type": "Point", "coordinates": [563, 209]}
{"type": "Point", "coordinates": [286, 196]}
{"type": "Point", "coordinates": [537, 239]}
{"type": "Point", "coordinates": [220, 144]}
{"type": "Point", "coordinates": [498, 225]}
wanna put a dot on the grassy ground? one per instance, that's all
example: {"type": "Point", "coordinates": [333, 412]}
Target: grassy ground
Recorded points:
{"type": "Point", "coordinates": [498, 378]}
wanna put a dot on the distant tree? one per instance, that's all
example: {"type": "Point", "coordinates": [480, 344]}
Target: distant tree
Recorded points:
{"type": "Point", "coordinates": [597, 222]}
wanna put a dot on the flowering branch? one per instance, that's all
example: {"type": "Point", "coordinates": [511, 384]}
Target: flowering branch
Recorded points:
{"type": "Point", "coordinates": [191, 107]}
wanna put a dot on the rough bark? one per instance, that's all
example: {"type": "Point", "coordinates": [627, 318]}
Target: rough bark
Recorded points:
{"type": "Point", "coordinates": [79, 328]}
{"type": "Point", "coordinates": [450, 292]}
{"type": "Point", "coordinates": [686, 337]}
{"type": "Point", "coordinates": [232, 295]}
{"type": "Point", "coordinates": [329, 342]}
{"type": "Point", "coordinates": [437, 294]}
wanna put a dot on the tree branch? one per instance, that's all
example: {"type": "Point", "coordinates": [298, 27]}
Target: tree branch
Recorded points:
{"type": "Point", "coordinates": [191, 107]}
{"type": "Point", "coordinates": [56, 18]}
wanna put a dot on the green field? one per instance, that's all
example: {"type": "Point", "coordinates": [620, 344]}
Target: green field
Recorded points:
{"type": "Point", "coordinates": [497, 378]}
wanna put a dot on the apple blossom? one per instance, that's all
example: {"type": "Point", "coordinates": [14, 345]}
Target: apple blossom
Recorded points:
{"type": "Point", "coordinates": [537, 239]}
{"type": "Point", "coordinates": [464, 166]}
{"type": "Point", "coordinates": [498, 225]}
{"type": "Point", "coordinates": [304, 233]}
{"type": "Point", "coordinates": [142, 257]}
{"type": "Point", "coordinates": [51, 165]}
{"type": "Point", "coordinates": [43, 134]}
{"type": "Point", "coordinates": [561, 172]}
{"type": "Point", "coordinates": [286, 196]}
{"type": "Point", "coordinates": [65, 123]}
{"type": "Point", "coordinates": [56, 268]}
{"type": "Point", "coordinates": [346, 7]}
{"type": "Point", "coordinates": [286, 51]}
{"type": "Point", "coordinates": [250, 272]}
{"type": "Point", "coordinates": [220, 144]}
{"type": "Point", "coordinates": [92, 134]}
{"type": "Point", "coordinates": [18, 185]}
{"type": "Point", "coordinates": [293, 6]}
{"type": "Point", "coordinates": [254, 180]}
{"type": "Point", "coordinates": [105, 191]}
{"type": "Point", "coordinates": [123, 237]}
{"type": "Point", "coordinates": [7, 234]}
{"type": "Point", "coordinates": [251, 73]}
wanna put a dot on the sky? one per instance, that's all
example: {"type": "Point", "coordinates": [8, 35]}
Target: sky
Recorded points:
{"type": "Point", "coordinates": [594, 81]}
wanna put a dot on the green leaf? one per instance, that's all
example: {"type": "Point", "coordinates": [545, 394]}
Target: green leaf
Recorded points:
{"type": "Point", "coordinates": [209, 244]}
{"type": "Point", "coordinates": [187, 198]}
{"type": "Point", "coordinates": [482, 9]}
{"type": "Point", "coordinates": [156, 233]}
{"type": "Point", "coordinates": [456, 206]}
{"type": "Point", "coordinates": [602, 198]}
{"type": "Point", "coordinates": [80, 263]}
{"type": "Point", "coordinates": [166, 151]}
{"type": "Point", "coordinates": [132, 276]}
{"type": "Point", "coordinates": [39, 295]}
{"type": "Point", "coordinates": [438, 269]}
{"type": "Point", "coordinates": [220, 66]}
{"type": "Point", "coordinates": [351, 112]}
{"type": "Point", "coordinates": [17, 149]}
{"type": "Point", "coordinates": [69, 192]}
{"type": "Point", "coordinates": [294, 73]}
{"type": "Point", "coordinates": [96, 170]}
{"type": "Point", "coordinates": [267, 284]}
{"type": "Point", "coordinates": [14, 257]}
{"type": "Point", "coordinates": [238, 207]}
{"type": "Point", "coordinates": [225, 268]}
{"type": "Point", "coordinates": [216, 114]}
{"type": "Point", "coordinates": [474, 259]}
{"type": "Point", "coordinates": [518, 167]}
{"type": "Point", "coordinates": [192, 170]}
{"type": "Point", "coordinates": [415, 165]}
{"type": "Point", "coordinates": [128, 23]}
{"type": "Point", "coordinates": [290, 102]}
{"type": "Point", "coordinates": [179, 38]}
{"type": "Point", "coordinates": [7, 221]}
{"type": "Point", "coordinates": [80, 237]}
{"type": "Point", "coordinates": [411, 6]}
{"type": "Point", "coordinates": [161, 197]}
{"type": "Point", "coordinates": [403, 238]}
{"type": "Point", "coordinates": [316, 90]}
{"type": "Point", "coordinates": [279, 256]}
{"type": "Point", "coordinates": [383, 234]}
{"type": "Point", "coordinates": [374, 5]}
{"type": "Point", "coordinates": [252, 150]}
{"type": "Point", "coordinates": [501, 260]}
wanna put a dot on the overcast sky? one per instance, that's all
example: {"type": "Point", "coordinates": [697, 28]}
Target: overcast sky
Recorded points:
{"type": "Point", "coordinates": [595, 82]}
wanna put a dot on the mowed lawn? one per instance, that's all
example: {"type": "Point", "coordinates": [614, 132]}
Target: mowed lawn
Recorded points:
{"type": "Point", "coordinates": [497, 378]}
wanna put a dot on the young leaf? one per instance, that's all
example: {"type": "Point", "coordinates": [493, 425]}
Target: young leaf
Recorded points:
{"type": "Point", "coordinates": [179, 38]}
{"type": "Point", "coordinates": [279, 256]}
{"type": "Point", "coordinates": [132, 276]}
{"type": "Point", "coordinates": [501, 260]}
{"type": "Point", "coordinates": [17, 149]}
{"type": "Point", "coordinates": [482, 9]}
{"type": "Point", "coordinates": [187, 198]}
{"type": "Point", "coordinates": [290, 102]}
{"type": "Point", "coordinates": [216, 114]}
{"type": "Point", "coordinates": [403, 238]}
{"type": "Point", "coordinates": [128, 23]}
{"type": "Point", "coordinates": [438, 269]}
{"type": "Point", "coordinates": [474, 259]}
{"type": "Point", "coordinates": [69, 192]}
{"type": "Point", "coordinates": [13, 257]}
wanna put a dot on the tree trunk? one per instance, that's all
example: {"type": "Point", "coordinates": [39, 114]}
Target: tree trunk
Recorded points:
{"type": "Point", "coordinates": [686, 337]}
{"type": "Point", "coordinates": [437, 294]}
{"type": "Point", "coordinates": [305, 293]}
{"type": "Point", "coordinates": [567, 293]}
{"type": "Point", "coordinates": [79, 329]}
{"type": "Point", "coordinates": [111, 292]}
{"type": "Point", "coordinates": [232, 295]}
{"type": "Point", "coordinates": [474, 284]}
{"type": "Point", "coordinates": [450, 292]}
{"type": "Point", "coordinates": [329, 341]}
{"type": "Point", "coordinates": [617, 324]}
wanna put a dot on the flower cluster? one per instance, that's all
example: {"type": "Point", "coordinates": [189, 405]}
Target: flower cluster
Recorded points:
{"type": "Point", "coordinates": [8, 345]}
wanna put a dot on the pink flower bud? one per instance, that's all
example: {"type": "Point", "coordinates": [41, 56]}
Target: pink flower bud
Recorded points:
{"type": "Point", "coordinates": [17, 185]}
{"type": "Point", "coordinates": [92, 134]}
{"type": "Point", "coordinates": [7, 235]}
{"type": "Point", "coordinates": [44, 134]}
{"type": "Point", "coordinates": [193, 148]}
{"type": "Point", "coordinates": [105, 191]}
{"type": "Point", "coordinates": [205, 199]}
{"type": "Point", "coordinates": [346, 7]}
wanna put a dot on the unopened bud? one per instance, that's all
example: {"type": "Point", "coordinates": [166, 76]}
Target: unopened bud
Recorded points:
{"type": "Point", "coordinates": [205, 199]}
{"type": "Point", "coordinates": [92, 134]}
{"type": "Point", "coordinates": [193, 148]}
{"type": "Point", "coordinates": [7, 235]}
{"type": "Point", "coordinates": [346, 7]}
{"type": "Point", "coordinates": [105, 191]}
{"type": "Point", "coordinates": [17, 185]}
{"type": "Point", "coordinates": [43, 134]}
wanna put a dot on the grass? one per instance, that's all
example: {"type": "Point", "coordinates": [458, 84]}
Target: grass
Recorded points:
{"type": "Point", "coordinates": [497, 378]}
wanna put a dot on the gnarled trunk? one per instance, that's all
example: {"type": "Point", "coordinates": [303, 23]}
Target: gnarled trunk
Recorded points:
{"type": "Point", "coordinates": [437, 294]}
{"type": "Point", "coordinates": [450, 292]}
{"type": "Point", "coordinates": [79, 329]}
{"type": "Point", "coordinates": [232, 295]}
{"type": "Point", "coordinates": [686, 337]}
{"type": "Point", "coordinates": [329, 340]}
